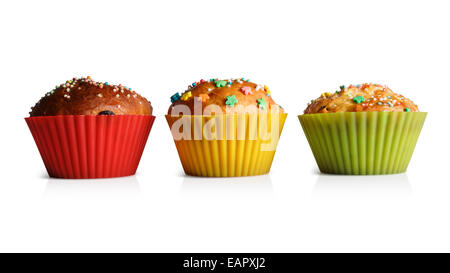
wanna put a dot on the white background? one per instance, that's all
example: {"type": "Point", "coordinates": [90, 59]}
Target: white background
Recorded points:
{"type": "Point", "coordinates": [299, 49]}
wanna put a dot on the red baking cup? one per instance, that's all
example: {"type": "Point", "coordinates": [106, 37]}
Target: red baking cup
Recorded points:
{"type": "Point", "coordinates": [91, 146]}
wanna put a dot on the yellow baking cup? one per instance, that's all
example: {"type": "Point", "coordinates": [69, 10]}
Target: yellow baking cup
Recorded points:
{"type": "Point", "coordinates": [226, 145]}
{"type": "Point", "coordinates": [363, 143]}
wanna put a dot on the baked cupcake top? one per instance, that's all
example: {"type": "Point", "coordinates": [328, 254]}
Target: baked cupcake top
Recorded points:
{"type": "Point", "coordinates": [230, 95]}
{"type": "Point", "coordinates": [85, 96]}
{"type": "Point", "coordinates": [361, 98]}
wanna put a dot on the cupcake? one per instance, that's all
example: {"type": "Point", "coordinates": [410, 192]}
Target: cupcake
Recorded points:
{"type": "Point", "coordinates": [225, 128]}
{"type": "Point", "coordinates": [362, 130]}
{"type": "Point", "coordinates": [89, 129]}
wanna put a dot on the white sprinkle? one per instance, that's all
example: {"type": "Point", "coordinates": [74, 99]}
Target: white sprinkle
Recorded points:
{"type": "Point", "coordinates": [99, 95]}
{"type": "Point", "coordinates": [118, 106]}
{"type": "Point", "coordinates": [128, 95]}
{"type": "Point", "coordinates": [68, 90]}
{"type": "Point", "coordinates": [209, 89]}
{"type": "Point", "coordinates": [117, 95]}
{"type": "Point", "coordinates": [134, 96]}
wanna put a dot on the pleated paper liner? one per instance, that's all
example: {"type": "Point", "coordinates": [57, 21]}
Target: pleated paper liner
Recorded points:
{"type": "Point", "coordinates": [91, 146]}
{"type": "Point", "coordinates": [240, 144]}
{"type": "Point", "coordinates": [363, 143]}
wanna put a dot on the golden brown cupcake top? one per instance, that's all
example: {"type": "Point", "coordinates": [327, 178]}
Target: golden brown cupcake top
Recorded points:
{"type": "Point", "coordinates": [361, 98]}
{"type": "Point", "coordinates": [85, 96]}
{"type": "Point", "coordinates": [230, 95]}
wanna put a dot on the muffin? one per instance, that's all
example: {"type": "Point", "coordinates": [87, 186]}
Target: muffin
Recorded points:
{"type": "Point", "coordinates": [89, 129]}
{"type": "Point", "coordinates": [362, 130]}
{"type": "Point", "coordinates": [225, 128]}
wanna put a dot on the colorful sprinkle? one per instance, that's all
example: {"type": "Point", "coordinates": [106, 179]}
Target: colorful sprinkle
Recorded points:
{"type": "Point", "coordinates": [407, 110]}
{"type": "Point", "coordinates": [358, 99]}
{"type": "Point", "coordinates": [266, 88]}
{"type": "Point", "coordinates": [262, 103]}
{"type": "Point", "coordinates": [231, 100]}
{"type": "Point", "coordinates": [220, 83]}
{"type": "Point", "coordinates": [246, 90]}
{"type": "Point", "coordinates": [186, 96]}
{"type": "Point", "coordinates": [203, 97]}
{"type": "Point", "coordinates": [175, 97]}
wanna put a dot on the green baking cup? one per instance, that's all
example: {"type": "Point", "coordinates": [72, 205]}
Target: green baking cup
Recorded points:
{"type": "Point", "coordinates": [363, 143]}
